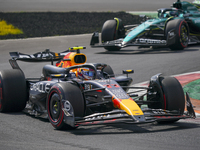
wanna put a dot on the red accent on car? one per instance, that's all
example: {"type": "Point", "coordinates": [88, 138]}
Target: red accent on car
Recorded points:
{"type": "Point", "coordinates": [109, 121]}
{"type": "Point", "coordinates": [96, 122]}
{"type": "Point", "coordinates": [131, 99]}
{"type": "Point", "coordinates": [61, 120]}
{"type": "Point", "coordinates": [64, 64]}
{"type": "Point", "coordinates": [116, 102]}
{"type": "Point", "coordinates": [164, 101]}
{"type": "Point", "coordinates": [108, 86]}
{"type": "Point", "coordinates": [48, 79]}
{"type": "Point", "coordinates": [98, 90]}
{"type": "Point", "coordinates": [1, 93]}
{"type": "Point", "coordinates": [167, 116]}
{"type": "Point", "coordinates": [116, 85]}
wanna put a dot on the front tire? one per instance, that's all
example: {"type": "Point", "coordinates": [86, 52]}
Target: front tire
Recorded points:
{"type": "Point", "coordinates": [170, 96]}
{"type": "Point", "coordinates": [179, 36]}
{"type": "Point", "coordinates": [13, 90]}
{"type": "Point", "coordinates": [58, 93]}
{"type": "Point", "coordinates": [109, 33]}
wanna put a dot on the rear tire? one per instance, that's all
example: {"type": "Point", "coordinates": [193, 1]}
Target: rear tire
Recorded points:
{"type": "Point", "coordinates": [109, 33]}
{"type": "Point", "coordinates": [170, 96]}
{"type": "Point", "coordinates": [181, 33]}
{"type": "Point", "coordinates": [59, 92]}
{"type": "Point", "coordinates": [13, 91]}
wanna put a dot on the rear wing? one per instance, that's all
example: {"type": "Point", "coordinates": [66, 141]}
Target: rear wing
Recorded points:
{"type": "Point", "coordinates": [45, 56]}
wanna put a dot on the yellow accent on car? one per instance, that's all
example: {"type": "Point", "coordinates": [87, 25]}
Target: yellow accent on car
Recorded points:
{"type": "Point", "coordinates": [77, 58]}
{"type": "Point", "coordinates": [72, 58]}
{"type": "Point", "coordinates": [129, 70]}
{"type": "Point", "coordinates": [117, 23]}
{"type": "Point", "coordinates": [77, 48]}
{"type": "Point", "coordinates": [131, 107]}
{"type": "Point", "coordinates": [57, 75]}
{"type": "Point", "coordinates": [56, 54]}
{"type": "Point", "coordinates": [194, 34]}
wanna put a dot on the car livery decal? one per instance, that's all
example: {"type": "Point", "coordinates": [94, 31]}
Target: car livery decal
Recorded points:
{"type": "Point", "coordinates": [65, 64]}
{"type": "Point", "coordinates": [120, 98]}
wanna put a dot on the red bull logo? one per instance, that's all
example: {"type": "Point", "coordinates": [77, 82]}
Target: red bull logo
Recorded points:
{"type": "Point", "coordinates": [71, 59]}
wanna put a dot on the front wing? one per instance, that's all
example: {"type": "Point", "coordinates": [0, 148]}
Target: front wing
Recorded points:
{"type": "Point", "coordinates": [151, 115]}
{"type": "Point", "coordinates": [119, 42]}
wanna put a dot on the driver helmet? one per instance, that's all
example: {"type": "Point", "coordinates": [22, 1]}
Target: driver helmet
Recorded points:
{"type": "Point", "coordinates": [85, 73]}
{"type": "Point", "coordinates": [174, 13]}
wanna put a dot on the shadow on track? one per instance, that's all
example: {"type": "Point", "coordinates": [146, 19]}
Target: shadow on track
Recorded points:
{"type": "Point", "coordinates": [147, 51]}
{"type": "Point", "coordinates": [121, 128]}
{"type": "Point", "coordinates": [130, 129]}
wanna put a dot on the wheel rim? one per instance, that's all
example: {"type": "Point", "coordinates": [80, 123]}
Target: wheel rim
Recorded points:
{"type": "Point", "coordinates": [54, 107]}
{"type": "Point", "coordinates": [184, 35]}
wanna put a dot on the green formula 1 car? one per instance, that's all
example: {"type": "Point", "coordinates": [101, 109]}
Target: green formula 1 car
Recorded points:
{"type": "Point", "coordinates": [175, 27]}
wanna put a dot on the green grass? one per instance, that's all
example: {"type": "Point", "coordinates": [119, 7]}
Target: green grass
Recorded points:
{"type": "Point", "coordinates": [193, 89]}
{"type": "Point", "coordinates": [148, 14]}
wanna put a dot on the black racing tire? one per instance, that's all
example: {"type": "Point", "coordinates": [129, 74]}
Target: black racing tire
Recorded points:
{"type": "Point", "coordinates": [64, 91]}
{"type": "Point", "coordinates": [109, 33]}
{"type": "Point", "coordinates": [170, 96]}
{"type": "Point", "coordinates": [13, 91]}
{"type": "Point", "coordinates": [181, 34]}
{"type": "Point", "coordinates": [174, 95]}
{"type": "Point", "coordinates": [109, 71]}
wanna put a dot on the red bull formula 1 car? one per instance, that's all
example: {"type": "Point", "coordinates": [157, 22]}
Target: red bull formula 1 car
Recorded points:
{"type": "Point", "coordinates": [175, 28]}
{"type": "Point", "coordinates": [73, 93]}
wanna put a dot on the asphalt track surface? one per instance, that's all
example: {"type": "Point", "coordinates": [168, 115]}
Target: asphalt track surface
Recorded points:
{"type": "Point", "coordinates": [83, 5]}
{"type": "Point", "coordinates": [19, 131]}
